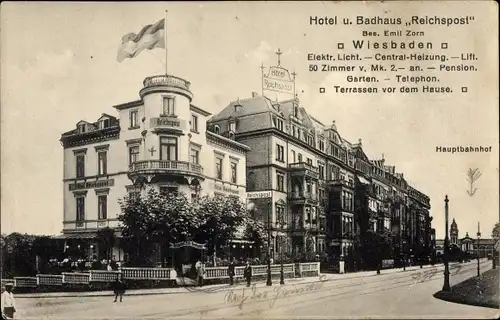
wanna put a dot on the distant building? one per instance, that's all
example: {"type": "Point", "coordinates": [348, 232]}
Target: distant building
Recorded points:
{"type": "Point", "coordinates": [159, 140]}
{"type": "Point", "coordinates": [467, 244]}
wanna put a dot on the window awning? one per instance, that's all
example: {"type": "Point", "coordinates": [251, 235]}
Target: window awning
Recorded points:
{"type": "Point", "coordinates": [363, 180]}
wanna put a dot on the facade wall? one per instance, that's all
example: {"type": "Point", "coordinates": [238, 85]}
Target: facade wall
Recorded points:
{"type": "Point", "coordinates": [141, 126]}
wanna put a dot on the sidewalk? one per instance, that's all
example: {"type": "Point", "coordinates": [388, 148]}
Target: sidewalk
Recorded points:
{"type": "Point", "coordinates": [223, 287]}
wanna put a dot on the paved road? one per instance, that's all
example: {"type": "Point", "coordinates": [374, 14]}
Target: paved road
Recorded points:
{"type": "Point", "coordinates": [393, 295]}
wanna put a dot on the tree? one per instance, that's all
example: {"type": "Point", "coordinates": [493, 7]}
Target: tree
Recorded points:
{"type": "Point", "coordinates": [106, 241]}
{"type": "Point", "coordinates": [19, 252]}
{"type": "Point", "coordinates": [155, 218]}
{"type": "Point", "coordinates": [495, 234]}
{"type": "Point", "coordinates": [220, 216]}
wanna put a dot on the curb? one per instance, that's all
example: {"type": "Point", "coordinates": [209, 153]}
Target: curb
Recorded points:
{"type": "Point", "coordinates": [450, 297]}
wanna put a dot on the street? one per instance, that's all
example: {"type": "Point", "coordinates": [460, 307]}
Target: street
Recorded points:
{"type": "Point", "coordinates": [389, 295]}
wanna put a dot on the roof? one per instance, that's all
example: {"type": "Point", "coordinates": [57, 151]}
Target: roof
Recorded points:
{"type": "Point", "coordinates": [250, 106]}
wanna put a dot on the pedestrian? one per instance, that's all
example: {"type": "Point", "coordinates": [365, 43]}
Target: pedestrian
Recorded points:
{"type": "Point", "coordinates": [200, 271]}
{"type": "Point", "coordinates": [119, 287]}
{"type": "Point", "coordinates": [248, 273]}
{"type": "Point", "coordinates": [8, 302]}
{"type": "Point", "coordinates": [230, 271]}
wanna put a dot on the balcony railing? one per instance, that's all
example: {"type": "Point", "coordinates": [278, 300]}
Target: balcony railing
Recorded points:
{"type": "Point", "coordinates": [341, 182]}
{"type": "Point", "coordinates": [301, 195]}
{"type": "Point", "coordinates": [304, 168]}
{"type": "Point", "coordinates": [165, 166]}
{"type": "Point", "coordinates": [164, 80]}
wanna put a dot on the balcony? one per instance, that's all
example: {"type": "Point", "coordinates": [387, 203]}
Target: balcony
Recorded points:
{"type": "Point", "coordinates": [300, 197]}
{"type": "Point", "coordinates": [169, 123]}
{"type": "Point", "coordinates": [166, 83]}
{"type": "Point", "coordinates": [303, 169]}
{"type": "Point", "coordinates": [151, 168]}
{"type": "Point", "coordinates": [340, 183]}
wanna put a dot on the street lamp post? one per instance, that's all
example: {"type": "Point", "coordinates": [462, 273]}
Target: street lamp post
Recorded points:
{"type": "Point", "coordinates": [446, 285]}
{"type": "Point", "coordinates": [282, 227]}
{"type": "Point", "coordinates": [477, 249]}
{"type": "Point", "coordinates": [269, 281]}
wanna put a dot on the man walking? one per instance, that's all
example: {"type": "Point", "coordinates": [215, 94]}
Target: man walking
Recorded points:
{"type": "Point", "coordinates": [200, 268]}
{"type": "Point", "coordinates": [248, 273]}
{"type": "Point", "coordinates": [8, 302]}
{"type": "Point", "coordinates": [230, 271]}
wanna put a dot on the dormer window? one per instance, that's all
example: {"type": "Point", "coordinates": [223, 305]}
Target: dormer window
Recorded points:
{"type": "Point", "coordinates": [278, 123]}
{"type": "Point", "coordinates": [217, 129]}
{"type": "Point", "coordinates": [231, 135]}
{"type": "Point", "coordinates": [81, 128]}
{"type": "Point", "coordinates": [232, 126]}
{"type": "Point", "coordinates": [169, 106]}
{"type": "Point", "coordinates": [296, 111]}
{"type": "Point", "coordinates": [104, 123]}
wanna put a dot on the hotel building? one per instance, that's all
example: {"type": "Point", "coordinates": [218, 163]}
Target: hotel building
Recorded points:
{"type": "Point", "coordinates": [319, 190]}
{"type": "Point", "coordinates": [159, 140]}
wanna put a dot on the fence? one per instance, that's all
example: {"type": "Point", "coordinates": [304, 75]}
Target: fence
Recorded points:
{"type": "Point", "coordinates": [93, 276]}
{"type": "Point", "coordinates": [221, 272]}
{"type": "Point", "coordinates": [309, 269]}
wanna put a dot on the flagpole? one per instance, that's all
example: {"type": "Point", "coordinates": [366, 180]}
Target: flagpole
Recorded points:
{"type": "Point", "coordinates": [165, 35]}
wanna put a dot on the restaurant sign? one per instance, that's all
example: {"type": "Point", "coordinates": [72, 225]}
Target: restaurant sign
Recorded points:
{"type": "Point", "coordinates": [92, 184]}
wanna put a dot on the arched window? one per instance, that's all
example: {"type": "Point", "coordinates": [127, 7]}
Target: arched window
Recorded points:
{"type": "Point", "coordinates": [217, 129]}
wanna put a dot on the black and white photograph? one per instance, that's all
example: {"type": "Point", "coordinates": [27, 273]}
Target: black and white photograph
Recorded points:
{"type": "Point", "coordinates": [249, 160]}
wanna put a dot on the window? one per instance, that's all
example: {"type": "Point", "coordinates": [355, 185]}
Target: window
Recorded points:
{"type": "Point", "coordinates": [233, 172]}
{"type": "Point", "coordinates": [278, 123]}
{"type": "Point", "coordinates": [280, 214]}
{"type": "Point", "coordinates": [280, 153]}
{"type": "Point", "coordinates": [80, 166]}
{"type": "Point", "coordinates": [104, 123]}
{"type": "Point", "coordinates": [168, 190]}
{"type": "Point", "coordinates": [195, 156]}
{"type": "Point", "coordinates": [80, 209]}
{"type": "Point", "coordinates": [103, 206]}
{"type": "Point", "coordinates": [296, 111]}
{"type": "Point", "coordinates": [133, 154]}
{"type": "Point", "coordinates": [309, 162]}
{"type": "Point", "coordinates": [133, 119]}
{"type": "Point", "coordinates": [293, 156]}
{"type": "Point", "coordinates": [194, 123]}
{"type": "Point", "coordinates": [218, 168]}
{"type": "Point", "coordinates": [217, 129]}
{"type": "Point", "coordinates": [168, 148]}
{"type": "Point", "coordinates": [322, 145]}
{"type": "Point", "coordinates": [232, 126]}
{"type": "Point", "coordinates": [280, 181]}
{"type": "Point", "coordinates": [168, 106]}
{"type": "Point", "coordinates": [300, 157]}
{"type": "Point", "coordinates": [321, 169]}
{"type": "Point", "coordinates": [81, 128]}
{"type": "Point", "coordinates": [103, 162]}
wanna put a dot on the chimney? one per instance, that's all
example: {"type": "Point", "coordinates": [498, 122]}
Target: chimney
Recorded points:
{"type": "Point", "coordinates": [254, 94]}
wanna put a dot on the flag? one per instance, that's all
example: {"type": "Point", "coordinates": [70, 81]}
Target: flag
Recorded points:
{"type": "Point", "coordinates": [150, 37]}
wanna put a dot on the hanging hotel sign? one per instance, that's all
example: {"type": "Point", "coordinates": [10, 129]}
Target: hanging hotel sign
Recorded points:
{"type": "Point", "coordinates": [278, 79]}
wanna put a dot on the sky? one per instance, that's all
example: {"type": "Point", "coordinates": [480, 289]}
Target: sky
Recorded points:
{"type": "Point", "coordinates": [59, 66]}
